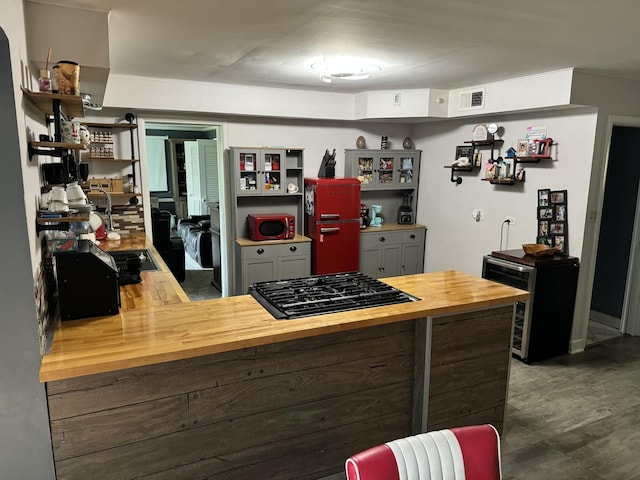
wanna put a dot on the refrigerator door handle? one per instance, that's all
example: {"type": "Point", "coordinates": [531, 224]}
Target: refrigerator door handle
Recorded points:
{"type": "Point", "coordinates": [329, 216]}
{"type": "Point", "coordinates": [329, 230]}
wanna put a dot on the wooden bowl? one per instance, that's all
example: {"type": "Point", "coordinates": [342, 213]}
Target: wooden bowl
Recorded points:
{"type": "Point", "coordinates": [538, 249]}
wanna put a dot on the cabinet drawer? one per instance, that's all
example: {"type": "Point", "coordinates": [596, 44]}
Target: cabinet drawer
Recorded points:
{"type": "Point", "coordinates": [373, 240]}
{"type": "Point", "coordinates": [280, 250]}
{"type": "Point", "coordinates": [413, 236]}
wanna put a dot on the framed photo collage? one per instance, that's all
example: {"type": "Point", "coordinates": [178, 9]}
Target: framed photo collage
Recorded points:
{"type": "Point", "coordinates": [552, 219]}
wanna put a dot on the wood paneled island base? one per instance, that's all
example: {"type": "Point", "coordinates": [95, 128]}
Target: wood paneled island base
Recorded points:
{"type": "Point", "coordinates": [171, 393]}
{"type": "Point", "coordinates": [294, 409]}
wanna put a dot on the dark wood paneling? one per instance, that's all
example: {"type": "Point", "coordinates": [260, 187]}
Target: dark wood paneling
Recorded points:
{"type": "Point", "coordinates": [289, 407]}
{"type": "Point", "coordinates": [298, 387]}
{"type": "Point", "coordinates": [469, 373]}
{"type": "Point", "coordinates": [289, 410]}
{"type": "Point", "coordinates": [466, 401]}
{"type": "Point", "coordinates": [312, 451]}
{"type": "Point", "coordinates": [217, 439]}
{"type": "Point", "coordinates": [97, 392]}
{"type": "Point", "coordinates": [493, 416]}
{"type": "Point", "coordinates": [459, 337]}
{"type": "Point", "coordinates": [119, 426]}
{"type": "Point", "coordinates": [450, 376]}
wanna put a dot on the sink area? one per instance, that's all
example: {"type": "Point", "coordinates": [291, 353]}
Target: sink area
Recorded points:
{"type": "Point", "coordinates": [147, 262]}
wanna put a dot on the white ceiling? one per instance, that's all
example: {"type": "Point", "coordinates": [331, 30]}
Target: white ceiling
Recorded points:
{"type": "Point", "coordinates": [420, 43]}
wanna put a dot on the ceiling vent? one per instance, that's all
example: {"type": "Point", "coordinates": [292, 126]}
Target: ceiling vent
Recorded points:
{"type": "Point", "coordinates": [471, 99]}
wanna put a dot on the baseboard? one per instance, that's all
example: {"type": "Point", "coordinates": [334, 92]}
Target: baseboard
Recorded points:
{"type": "Point", "coordinates": [577, 346]}
{"type": "Point", "coordinates": [605, 319]}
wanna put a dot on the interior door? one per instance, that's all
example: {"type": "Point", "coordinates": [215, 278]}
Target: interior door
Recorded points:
{"type": "Point", "coordinates": [192, 165]}
{"type": "Point", "coordinates": [209, 186]}
{"type": "Point", "coordinates": [616, 228]}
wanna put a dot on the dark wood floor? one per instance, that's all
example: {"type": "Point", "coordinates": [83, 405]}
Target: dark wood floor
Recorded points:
{"type": "Point", "coordinates": [576, 416]}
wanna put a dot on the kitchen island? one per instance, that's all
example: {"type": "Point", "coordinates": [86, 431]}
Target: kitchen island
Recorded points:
{"type": "Point", "coordinates": [219, 389]}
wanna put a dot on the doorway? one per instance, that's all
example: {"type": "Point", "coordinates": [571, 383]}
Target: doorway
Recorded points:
{"type": "Point", "coordinates": [615, 252]}
{"type": "Point", "coordinates": [177, 157]}
{"type": "Point", "coordinates": [184, 161]}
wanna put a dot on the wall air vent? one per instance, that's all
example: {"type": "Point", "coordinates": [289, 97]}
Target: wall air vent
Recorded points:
{"type": "Point", "coordinates": [471, 99]}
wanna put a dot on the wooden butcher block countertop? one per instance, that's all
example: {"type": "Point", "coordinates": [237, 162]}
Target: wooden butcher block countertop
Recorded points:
{"type": "Point", "coordinates": [158, 324]}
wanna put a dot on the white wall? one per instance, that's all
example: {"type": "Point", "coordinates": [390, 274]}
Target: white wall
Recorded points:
{"type": "Point", "coordinates": [455, 239]}
{"type": "Point", "coordinates": [25, 445]}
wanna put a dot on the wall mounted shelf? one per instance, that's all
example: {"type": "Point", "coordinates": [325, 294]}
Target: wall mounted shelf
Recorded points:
{"type": "Point", "coordinates": [59, 223]}
{"type": "Point", "coordinates": [491, 142]}
{"type": "Point", "coordinates": [109, 160]}
{"type": "Point", "coordinates": [94, 127]}
{"type": "Point", "coordinates": [54, 104]}
{"type": "Point", "coordinates": [114, 194]}
{"type": "Point", "coordinates": [511, 179]}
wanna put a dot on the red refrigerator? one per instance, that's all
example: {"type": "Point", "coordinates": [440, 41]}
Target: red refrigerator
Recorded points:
{"type": "Point", "coordinates": [332, 221]}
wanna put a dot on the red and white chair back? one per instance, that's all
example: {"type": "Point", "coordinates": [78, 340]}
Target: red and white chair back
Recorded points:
{"type": "Point", "coordinates": [464, 453]}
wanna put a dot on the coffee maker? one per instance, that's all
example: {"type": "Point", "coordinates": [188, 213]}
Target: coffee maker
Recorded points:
{"type": "Point", "coordinates": [405, 211]}
{"type": "Point", "coordinates": [376, 216]}
{"type": "Point", "coordinates": [364, 216]}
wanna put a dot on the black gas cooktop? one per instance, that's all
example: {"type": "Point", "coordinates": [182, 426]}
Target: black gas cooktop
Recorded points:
{"type": "Point", "coordinates": [320, 294]}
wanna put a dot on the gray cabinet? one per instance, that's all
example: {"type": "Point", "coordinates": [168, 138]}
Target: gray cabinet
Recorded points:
{"type": "Point", "coordinates": [259, 171]}
{"type": "Point", "coordinates": [250, 171]}
{"type": "Point", "coordinates": [262, 262]}
{"type": "Point", "coordinates": [388, 178]}
{"type": "Point", "coordinates": [384, 169]}
{"type": "Point", "coordinates": [259, 178]}
{"type": "Point", "coordinates": [391, 252]}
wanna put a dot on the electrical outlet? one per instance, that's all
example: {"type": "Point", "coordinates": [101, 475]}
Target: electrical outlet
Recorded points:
{"type": "Point", "coordinates": [477, 214]}
{"type": "Point", "coordinates": [512, 221]}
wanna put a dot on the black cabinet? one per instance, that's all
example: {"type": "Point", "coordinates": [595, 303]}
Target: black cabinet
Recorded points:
{"type": "Point", "coordinates": [542, 325]}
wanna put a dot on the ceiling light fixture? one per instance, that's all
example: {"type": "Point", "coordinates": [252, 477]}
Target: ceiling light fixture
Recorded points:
{"type": "Point", "coordinates": [344, 68]}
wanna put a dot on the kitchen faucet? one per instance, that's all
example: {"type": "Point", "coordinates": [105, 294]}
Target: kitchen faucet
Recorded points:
{"type": "Point", "coordinates": [108, 209]}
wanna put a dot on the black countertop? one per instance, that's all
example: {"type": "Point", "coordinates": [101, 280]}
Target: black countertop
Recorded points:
{"type": "Point", "coordinates": [519, 256]}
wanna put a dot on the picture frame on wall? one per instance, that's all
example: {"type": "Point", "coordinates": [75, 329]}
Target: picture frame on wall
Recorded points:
{"type": "Point", "coordinates": [556, 228]}
{"type": "Point", "coordinates": [464, 151]}
{"type": "Point", "coordinates": [543, 197]}
{"type": "Point", "coordinates": [553, 227]}
{"type": "Point", "coordinates": [558, 196]}
{"type": "Point", "coordinates": [543, 228]}
{"type": "Point", "coordinates": [545, 213]}
{"type": "Point", "coordinates": [559, 242]}
{"type": "Point", "coordinates": [541, 147]}
{"type": "Point", "coordinates": [544, 240]}
{"type": "Point", "coordinates": [523, 148]}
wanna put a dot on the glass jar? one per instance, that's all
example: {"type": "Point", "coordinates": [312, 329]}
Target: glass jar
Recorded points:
{"type": "Point", "coordinates": [44, 82]}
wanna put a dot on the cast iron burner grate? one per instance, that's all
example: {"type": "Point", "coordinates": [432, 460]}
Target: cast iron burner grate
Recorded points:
{"type": "Point", "coordinates": [320, 294]}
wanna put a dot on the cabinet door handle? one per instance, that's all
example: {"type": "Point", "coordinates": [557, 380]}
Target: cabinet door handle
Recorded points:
{"type": "Point", "coordinates": [260, 251]}
{"type": "Point", "coordinates": [382, 239]}
{"type": "Point", "coordinates": [412, 236]}
{"type": "Point", "coordinates": [293, 248]}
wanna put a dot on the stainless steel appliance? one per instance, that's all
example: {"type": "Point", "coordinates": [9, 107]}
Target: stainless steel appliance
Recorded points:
{"type": "Point", "coordinates": [320, 294]}
{"type": "Point", "coordinates": [542, 325]}
{"type": "Point", "coordinates": [405, 211]}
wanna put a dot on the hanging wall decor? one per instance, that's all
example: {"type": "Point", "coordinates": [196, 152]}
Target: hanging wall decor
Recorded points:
{"type": "Point", "coordinates": [552, 219]}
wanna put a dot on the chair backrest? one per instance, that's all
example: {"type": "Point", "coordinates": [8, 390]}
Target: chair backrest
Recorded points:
{"type": "Point", "coordinates": [464, 453]}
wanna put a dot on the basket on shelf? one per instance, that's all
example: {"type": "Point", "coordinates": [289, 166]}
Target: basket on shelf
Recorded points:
{"type": "Point", "coordinates": [538, 249]}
